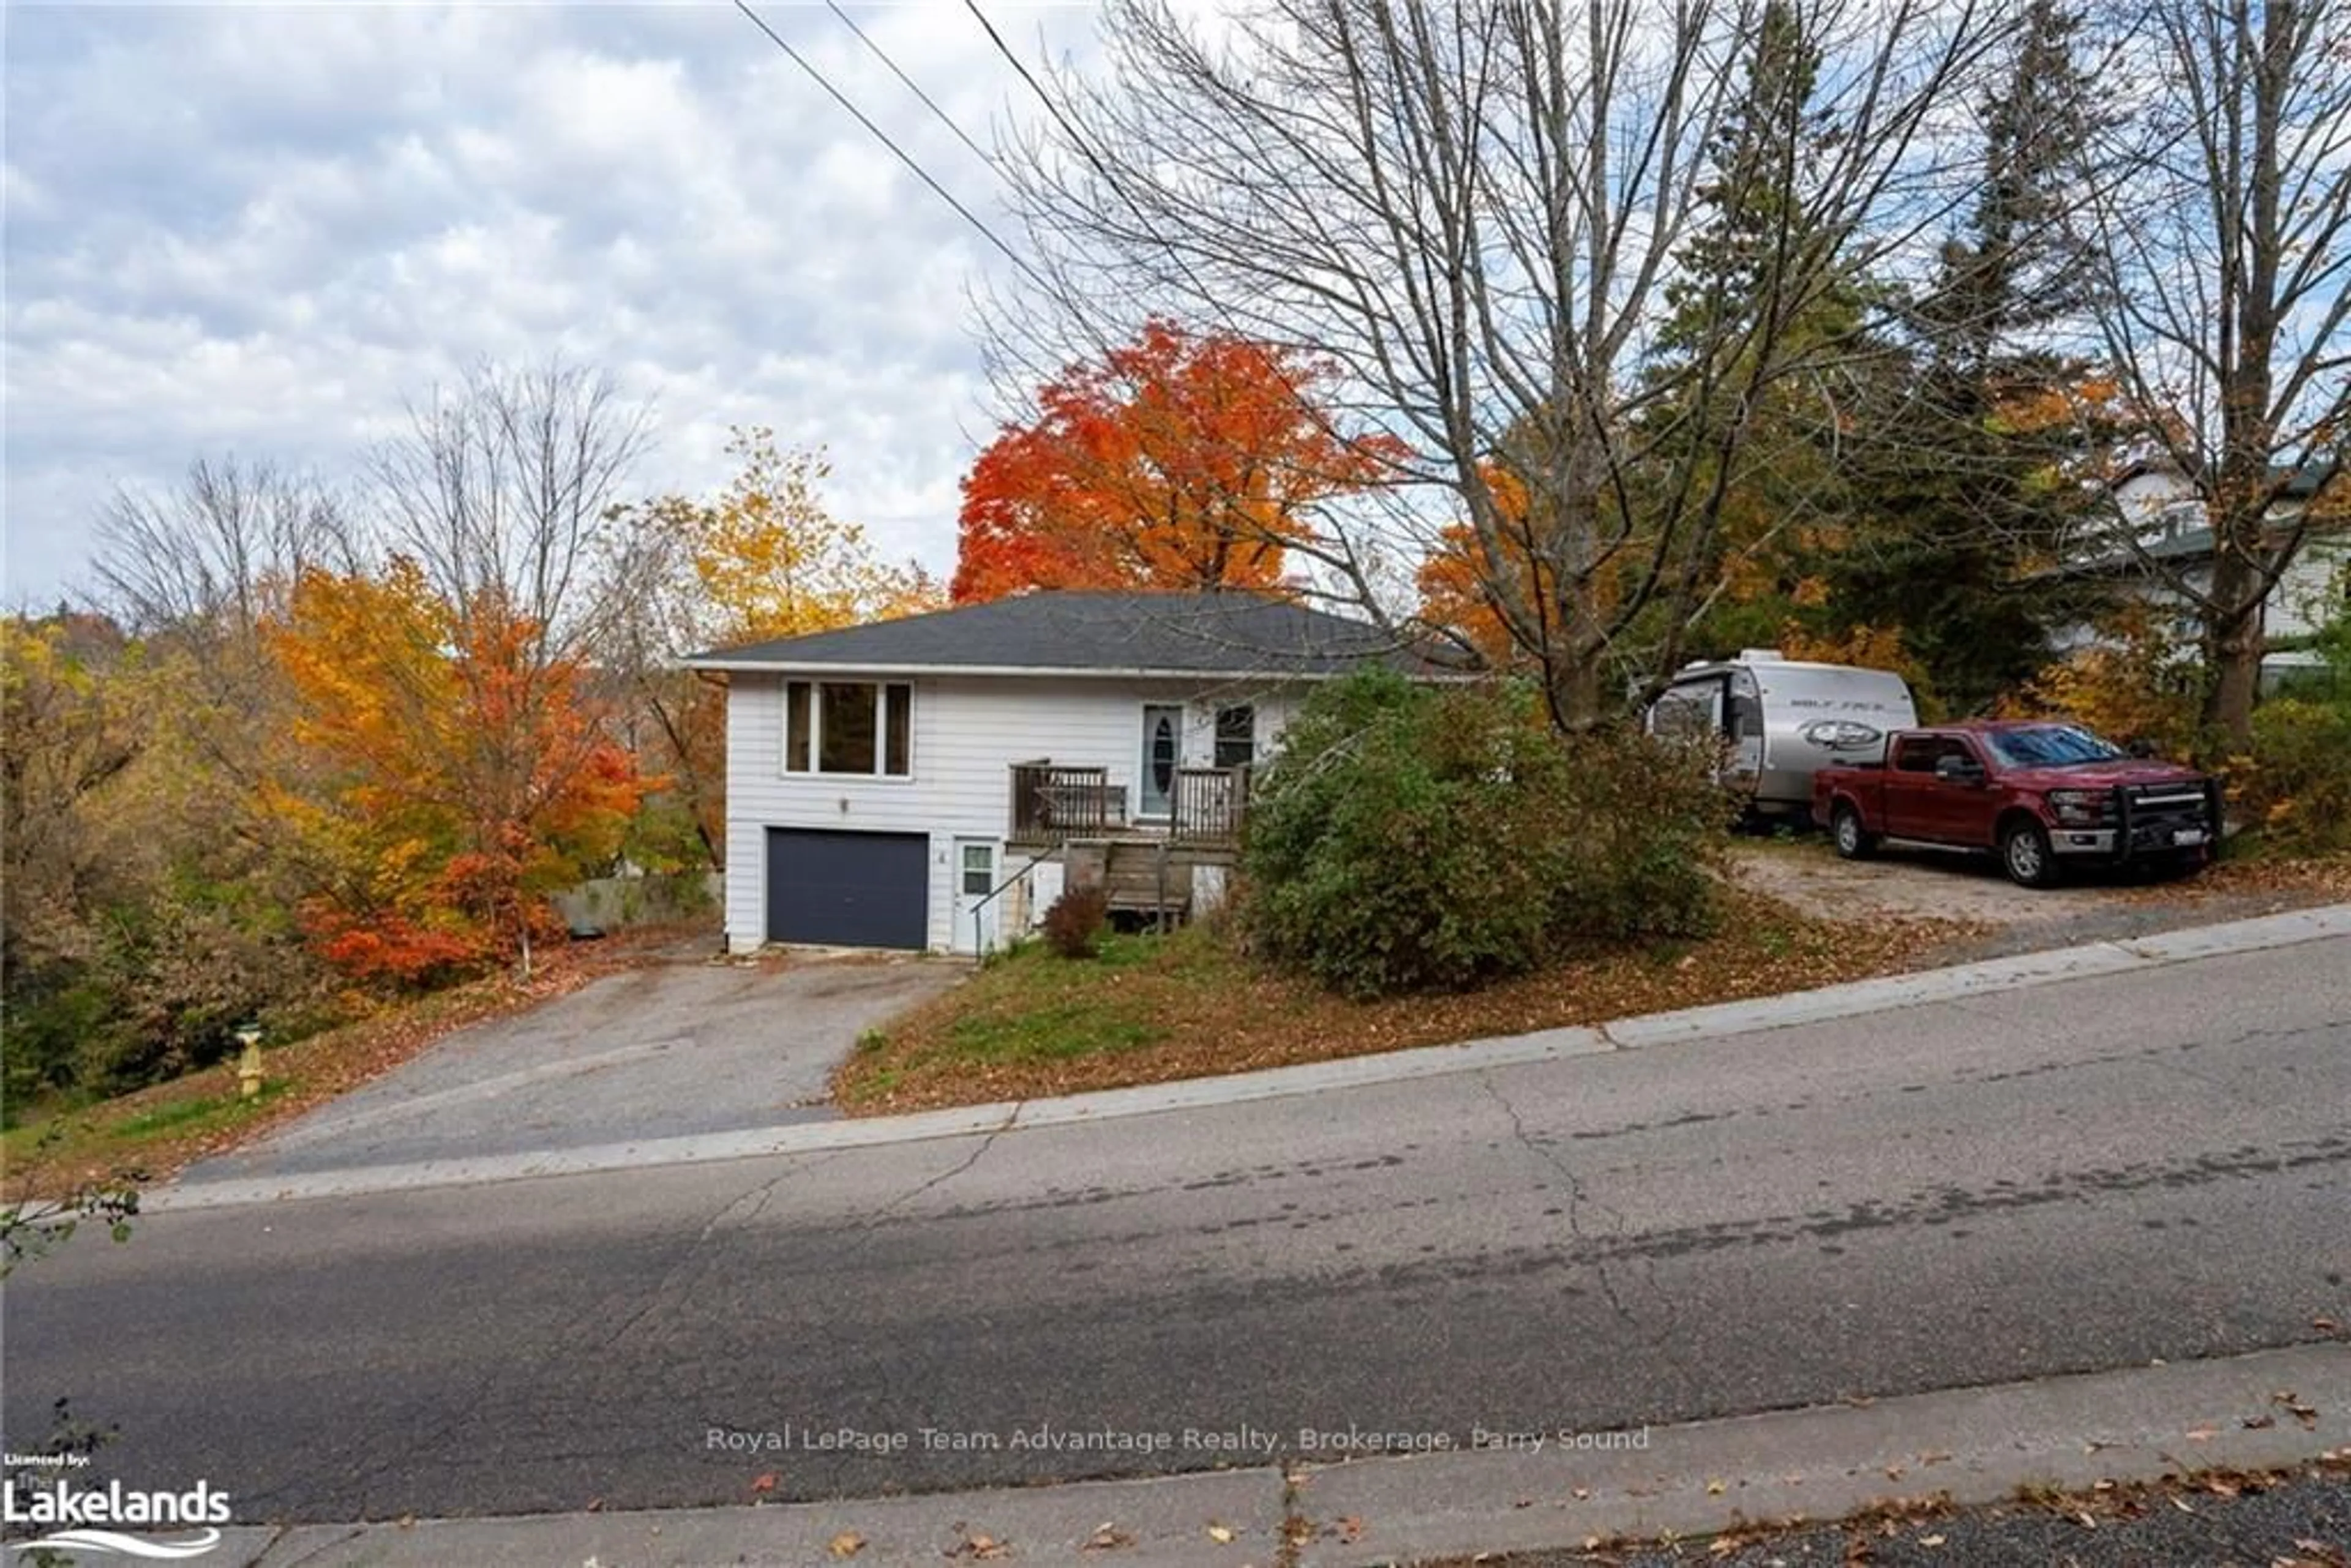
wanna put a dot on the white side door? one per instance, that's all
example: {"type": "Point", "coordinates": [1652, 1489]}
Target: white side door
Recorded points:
{"type": "Point", "coordinates": [976, 913]}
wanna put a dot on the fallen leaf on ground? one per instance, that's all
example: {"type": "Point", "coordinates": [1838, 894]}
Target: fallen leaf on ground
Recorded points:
{"type": "Point", "coordinates": [1220, 1534]}
{"type": "Point", "coordinates": [977, 1547]}
{"type": "Point", "coordinates": [1108, 1538]}
{"type": "Point", "coordinates": [764, 1485]}
{"type": "Point", "coordinates": [2294, 1406]}
{"type": "Point", "coordinates": [848, 1544]}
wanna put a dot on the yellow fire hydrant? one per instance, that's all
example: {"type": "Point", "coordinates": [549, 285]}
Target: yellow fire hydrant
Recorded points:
{"type": "Point", "coordinates": [248, 1064]}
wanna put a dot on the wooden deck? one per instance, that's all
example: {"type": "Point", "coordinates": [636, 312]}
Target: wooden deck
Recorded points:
{"type": "Point", "coordinates": [1056, 805]}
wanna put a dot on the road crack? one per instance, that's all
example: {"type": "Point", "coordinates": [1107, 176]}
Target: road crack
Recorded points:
{"type": "Point", "coordinates": [1596, 1248]}
{"type": "Point", "coordinates": [872, 1221]}
{"type": "Point", "coordinates": [676, 1276]}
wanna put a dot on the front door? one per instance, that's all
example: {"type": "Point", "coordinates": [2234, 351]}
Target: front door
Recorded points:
{"type": "Point", "coordinates": [1163, 740]}
{"type": "Point", "coordinates": [977, 901]}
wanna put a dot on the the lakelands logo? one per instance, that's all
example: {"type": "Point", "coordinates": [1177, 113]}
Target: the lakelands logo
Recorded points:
{"type": "Point", "coordinates": [79, 1518]}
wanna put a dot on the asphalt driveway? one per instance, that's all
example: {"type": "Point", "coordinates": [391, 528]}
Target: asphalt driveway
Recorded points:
{"type": "Point", "coordinates": [670, 1049]}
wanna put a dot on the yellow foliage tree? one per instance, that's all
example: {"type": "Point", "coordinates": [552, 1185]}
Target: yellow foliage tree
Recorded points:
{"type": "Point", "coordinates": [2138, 682]}
{"type": "Point", "coordinates": [767, 559]}
{"type": "Point", "coordinates": [459, 773]}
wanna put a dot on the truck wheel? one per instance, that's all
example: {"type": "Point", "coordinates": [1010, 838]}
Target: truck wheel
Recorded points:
{"type": "Point", "coordinates": [2025, 855]}
{"type": "Point", "coordinates": [1854, 842]}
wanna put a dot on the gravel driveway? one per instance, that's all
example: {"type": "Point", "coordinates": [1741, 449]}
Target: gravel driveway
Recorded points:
{"type": "Point", "coordinates": [674, 1048]}
{"type": "Point", "coordinates": [2101, 904]}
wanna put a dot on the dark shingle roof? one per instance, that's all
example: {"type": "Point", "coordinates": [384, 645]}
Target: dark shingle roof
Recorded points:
{"type": "Point", "coordinates": [1229, 633]}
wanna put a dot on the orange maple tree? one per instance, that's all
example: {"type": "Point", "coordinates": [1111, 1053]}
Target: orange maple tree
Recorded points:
{"type": "Point", "coordinates": [447, 772]}
{"type": "Point", "coordinates": [1182, 460]}
{"type": "Point", "coordinates": [1459, 577]}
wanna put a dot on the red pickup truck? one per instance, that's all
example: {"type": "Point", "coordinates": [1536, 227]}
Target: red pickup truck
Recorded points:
{"type": "Point", "coordinates": [2042, 795]}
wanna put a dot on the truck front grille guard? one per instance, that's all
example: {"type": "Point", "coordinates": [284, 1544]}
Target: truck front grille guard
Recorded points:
{"type": "Point", "coordinates": [2134, 805]}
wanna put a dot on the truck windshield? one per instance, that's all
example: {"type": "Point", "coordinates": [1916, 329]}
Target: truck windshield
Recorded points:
{"type": "Point", "coordinates": [2051, 745]}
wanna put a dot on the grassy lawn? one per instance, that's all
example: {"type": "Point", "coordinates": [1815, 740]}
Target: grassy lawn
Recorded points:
{"type": "Point", "coordinates": [1153, 1008]}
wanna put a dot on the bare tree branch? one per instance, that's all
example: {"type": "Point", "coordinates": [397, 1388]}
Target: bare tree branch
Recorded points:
{"type": "Point", "coordinates": [1475, 210]}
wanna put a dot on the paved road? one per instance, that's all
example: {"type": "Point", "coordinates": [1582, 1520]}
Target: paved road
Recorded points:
{"type": "Point", "coordinates": [669, 1050]}
{"type": "Point", "coordinates": [2086, 1175]}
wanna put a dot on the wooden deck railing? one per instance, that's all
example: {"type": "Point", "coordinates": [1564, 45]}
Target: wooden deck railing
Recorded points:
{"type": "Point", "coordinates": [1209, 804]}
{"type": "Point", "coordinates": [1049, 802]}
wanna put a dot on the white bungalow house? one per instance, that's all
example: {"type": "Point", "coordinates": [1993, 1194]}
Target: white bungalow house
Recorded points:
{"type": "Point", "coordinates": [926, 783]}
{"type": "Point", "coordinates": [2158, 525]}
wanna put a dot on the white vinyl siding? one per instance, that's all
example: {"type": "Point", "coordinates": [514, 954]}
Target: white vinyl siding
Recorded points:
{"type": "Point", "coordinates": [967, 733]}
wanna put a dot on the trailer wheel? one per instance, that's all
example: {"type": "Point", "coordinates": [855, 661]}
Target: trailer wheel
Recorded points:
{"type": "Point", "coordinates": [1854, 842]}
{"type": "Point", "coordinates": [2025, 854]}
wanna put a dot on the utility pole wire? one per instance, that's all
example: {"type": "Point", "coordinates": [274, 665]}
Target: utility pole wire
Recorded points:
{"type": "Point", "coordinates": [1342, 559]}
{"type": "Point", "coordinates": [947, 119]}
{"type": "Point", "coordinates": [881, 136]}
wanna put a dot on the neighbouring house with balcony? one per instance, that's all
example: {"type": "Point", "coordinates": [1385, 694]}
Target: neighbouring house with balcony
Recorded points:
{"type": "Point", "coordinates": [933, 782]}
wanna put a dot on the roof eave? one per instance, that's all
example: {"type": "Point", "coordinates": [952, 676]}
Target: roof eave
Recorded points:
{"type": "Point", "coordinates": [1132, 673]}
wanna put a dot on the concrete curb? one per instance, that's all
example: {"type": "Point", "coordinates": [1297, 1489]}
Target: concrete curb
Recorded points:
{"type": "Point", "coordinates": [1970, 1444]}
{"type": "Point", "coordinates": [1717, 1021]}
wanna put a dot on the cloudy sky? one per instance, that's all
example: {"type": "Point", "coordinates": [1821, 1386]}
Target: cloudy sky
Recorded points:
{"type": "Point", "coordinates": [257, 229]}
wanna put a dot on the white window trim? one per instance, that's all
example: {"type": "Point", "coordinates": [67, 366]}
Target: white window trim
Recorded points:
{"type": "Point", "coordinates": [816, 729]}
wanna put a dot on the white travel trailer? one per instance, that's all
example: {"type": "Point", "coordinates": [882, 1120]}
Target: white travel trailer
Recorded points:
{"type": "Point", "coordinates": [1779, 721]}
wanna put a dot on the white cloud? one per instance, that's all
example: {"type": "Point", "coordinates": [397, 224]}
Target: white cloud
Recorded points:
{"type": "Point", "coordinates": [264, 229]}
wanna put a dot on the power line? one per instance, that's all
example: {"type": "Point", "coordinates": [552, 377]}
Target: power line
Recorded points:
{"type": "Point", "coordinates": [1078, 139]}
{"type": "Point", "coordinates": [1051, 106]}
{"type": "Point", "coordinates": [881, 136]}
{"type": "Point", "coordinates": [1084, 146]}
{"type": "Point", "coordinates": [945, 118]}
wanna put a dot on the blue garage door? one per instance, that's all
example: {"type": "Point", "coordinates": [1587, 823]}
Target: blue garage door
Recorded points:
{"type": "Point", "coordinates": [848, 890]}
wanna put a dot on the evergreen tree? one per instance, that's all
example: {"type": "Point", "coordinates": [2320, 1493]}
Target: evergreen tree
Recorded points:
{"type": "Point", "coordinates": [1737, 303]}
{"type": "Point", "coordinates": [1970, 473]}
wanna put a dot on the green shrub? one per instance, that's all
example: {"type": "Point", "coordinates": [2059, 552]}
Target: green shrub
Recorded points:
{"type": "Point", "coordinates": [161, 990]}
{"type": "Point", "coordinates": [1074, 922]}
{"type": "Point", "coordinates": [2296, 786]}
{"type": "Point", "coordinates": [2294, 789]}
{"type": "Point", "coordinates": [1412, 837]}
